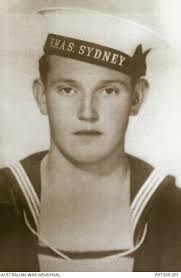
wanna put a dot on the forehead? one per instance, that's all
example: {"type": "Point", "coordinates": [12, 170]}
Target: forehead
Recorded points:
{"type": "Point", "coordinates": [60, 67]}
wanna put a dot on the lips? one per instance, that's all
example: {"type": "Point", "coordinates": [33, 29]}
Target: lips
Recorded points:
{"type": "Point", "coordinates": [88, 132]}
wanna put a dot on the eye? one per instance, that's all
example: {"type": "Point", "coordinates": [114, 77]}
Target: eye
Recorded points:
{"type": "Point", "coordinates": [109, 91]}
{"type": "Point", "coordinates": [66, 90]}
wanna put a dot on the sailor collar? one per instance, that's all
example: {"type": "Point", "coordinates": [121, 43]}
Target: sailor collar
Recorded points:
{"type": "Point", "coordinates": [145, 182]}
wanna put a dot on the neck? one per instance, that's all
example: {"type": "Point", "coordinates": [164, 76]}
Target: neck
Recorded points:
{"type": "Point", "coordinates": [61, 168]}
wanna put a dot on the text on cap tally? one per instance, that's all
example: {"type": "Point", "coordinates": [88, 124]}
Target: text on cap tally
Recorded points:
{"type": "Point", "coordinates": [88, 52]}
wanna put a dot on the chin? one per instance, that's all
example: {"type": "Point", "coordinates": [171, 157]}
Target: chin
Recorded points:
{"type": "Point", "coordinates": [86, 156]}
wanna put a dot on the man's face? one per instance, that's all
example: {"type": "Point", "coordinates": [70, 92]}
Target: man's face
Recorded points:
{"type": "Point", "coordinates": [88, 108]}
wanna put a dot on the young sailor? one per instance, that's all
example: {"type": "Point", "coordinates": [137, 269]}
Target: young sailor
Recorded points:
{"type": "Point", "coordinates": [86, 205]}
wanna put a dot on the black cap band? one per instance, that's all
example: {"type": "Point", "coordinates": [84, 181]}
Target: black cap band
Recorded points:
{"type": "Point", "coordinates": [96, 54]}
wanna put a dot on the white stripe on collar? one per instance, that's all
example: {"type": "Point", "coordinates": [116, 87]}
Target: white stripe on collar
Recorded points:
{"type": "Point", "coordinates": [144, 194]}
{"type": "Point", "coordinates": [27, 190]}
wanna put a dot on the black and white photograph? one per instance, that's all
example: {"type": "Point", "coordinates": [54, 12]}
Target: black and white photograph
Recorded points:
{"type": "Point", "coordinates": [90, 136]}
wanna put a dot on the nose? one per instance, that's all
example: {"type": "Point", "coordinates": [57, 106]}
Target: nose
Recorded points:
{"type": "Point", "coordinates": [87, 110]}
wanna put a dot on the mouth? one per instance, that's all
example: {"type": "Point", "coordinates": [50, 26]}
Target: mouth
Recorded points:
{"type": "Point", "coordinates": [87, 133]}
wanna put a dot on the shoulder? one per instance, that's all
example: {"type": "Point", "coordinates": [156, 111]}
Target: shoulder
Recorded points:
{"type": "Point", "coordinates": [33, 159]}
{"type": "Point", "coordinates": [162, 213]}
{"type": "Point", "coordinates": [165, 210]}
{"type": "Point", "coordinates": [169, 201]}
{"type": "Point", "coordinates": [141, 171]}
{"type": "Point", "coordinates": [155, 192]}
{"type": "Point", "coordinates": [139, 163]}
{"type": "Point", "coordinates": [9, 208]}
{"type": "Point", "coordinates": [32, 166]}
{"type": "Point", "coordinates": [165, 221]}
{"type": "Point", "coordinates": [5, 187]}
{"type": "Point", "coordinates": [168, 194]}
{"type": "Point", "coordinates": [8, 177]}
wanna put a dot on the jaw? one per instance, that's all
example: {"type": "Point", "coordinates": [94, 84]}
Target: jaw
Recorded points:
{"type": "Point", "coordinates": [87, 160]}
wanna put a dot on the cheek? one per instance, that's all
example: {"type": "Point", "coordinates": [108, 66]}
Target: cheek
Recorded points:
{"type": "Point", "coordinates": [115, 114]}
{"type": "Point", "coordinates": [60, 111]}
{"type": "Point", "coordinates": [57, 118]}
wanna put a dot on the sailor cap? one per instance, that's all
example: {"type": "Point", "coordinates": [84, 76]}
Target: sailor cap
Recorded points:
{"type": "Point", "coordinates": [102, 39]}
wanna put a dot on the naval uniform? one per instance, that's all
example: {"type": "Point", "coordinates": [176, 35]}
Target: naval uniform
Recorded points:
{"type": "Point", "coordinates": [155, 209]}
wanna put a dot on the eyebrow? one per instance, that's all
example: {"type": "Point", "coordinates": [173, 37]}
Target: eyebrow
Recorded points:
{"type": "Point", "coordinates": [64, 80]}
{"type": "Point", "coordinates": [101, 83]}
{"type": "Point", "coordinates": [106, 82]}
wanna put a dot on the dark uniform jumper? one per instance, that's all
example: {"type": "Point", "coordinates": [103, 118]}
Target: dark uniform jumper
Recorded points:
{"type": "Point", "coordinates": [156, 218]}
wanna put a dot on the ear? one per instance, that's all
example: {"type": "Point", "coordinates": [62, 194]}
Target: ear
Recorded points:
{"type": "Point", "coordinates": [140, 89]}
{"type": "Point", "coordinates": [40, 96]}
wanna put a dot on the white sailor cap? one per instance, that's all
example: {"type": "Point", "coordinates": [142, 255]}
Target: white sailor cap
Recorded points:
{"type": "Point", "coordinates": [98, 38]}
